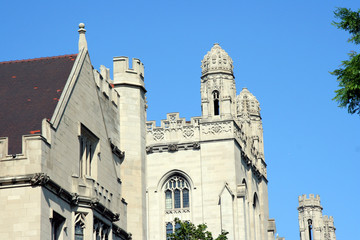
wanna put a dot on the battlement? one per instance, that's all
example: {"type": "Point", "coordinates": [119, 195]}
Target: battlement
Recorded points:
{"type": "Point", "coordinates": [173, 129]}
{"type": "Point", "coordinates": [173, 120]}
{"type": "Point", "coordinates": [105, 85]}
{"type": "Point", "coordinates": [123, 72]}
{"type": "Point", "coordinates": [311, 201]}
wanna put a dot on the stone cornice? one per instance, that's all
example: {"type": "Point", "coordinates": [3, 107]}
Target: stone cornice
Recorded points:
{"type": "Point", "coordinates": [43, 180]}
{"type": "Point", "coordinates": [172, 147]}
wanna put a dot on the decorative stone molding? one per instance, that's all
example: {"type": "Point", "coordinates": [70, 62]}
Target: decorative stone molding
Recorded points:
{"type": "Point", "coordinates": [172, 148]}
{"type": "Point", "coordinates": [215, 128]}
{"type": "Point", "coordinates": [158, 134]}
{"type": "Point", "coordinates": [39, 179]}
{"type": "Point", "coordinates": [177, 211]}
{"type": "Point", "coordinates": [196, 145]}
{"type": "Point", "coordinates": [116, 151]}
{"type": "Point", "coordinates": [43, 180]}
{"type": "Point", "coordinates": [188, 132]}
{"type": "Point", "coordinates": [121, 233]}
{"type": "Point", "coordinates": [149, 149]}
{"type": "Point", "coordinates": [74, 198]}
{"type": "Point", "coordinates": [217, 61]}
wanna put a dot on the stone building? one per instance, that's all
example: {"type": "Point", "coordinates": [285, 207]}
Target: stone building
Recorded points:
{"type": "Point", "coordinates": [79, 160]}
{"type": "Point", "coordinates": [212, 168]}
{"type": "Point", "coordinates": [313, 224]}
{"type": "Point", "coordinates": [60, 157]}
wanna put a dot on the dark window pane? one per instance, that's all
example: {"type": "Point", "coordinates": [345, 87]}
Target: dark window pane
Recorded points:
{"type": "Point", "coordinates": [168, 199]}
{"type": "Point", "coordinates": [169, 229]}
{"type": "Point", "coordinates": [185, 198]}
{"type": "Point", "coordinates": [177, 198]}
{"type": "Point", "coordinates": [177, 226]}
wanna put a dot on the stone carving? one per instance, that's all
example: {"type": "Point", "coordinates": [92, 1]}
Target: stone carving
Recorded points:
{"type": "Point", "coordinates": [116, 217]}
{"type": "Point", "coordinates": [172, 147]}
{"type": "Point", "coordinates": [216, 128]}
{"type": "Point", "coordinates": [217, 60]}
{"type": "Point", "coordinates": [196, 145]}
{"type": "Point", "coordinates": [94, 202]}
{"type": "Point", "coordinates": [74, 198]}
{"type": "Point", "coordinates": [39, 179]}
{"type": "Point", "coordinates": [149, 149]}
{"type": "Point", "coordinates": [158, 134]}
{"type": "Point", "coordinates": [188, 132]}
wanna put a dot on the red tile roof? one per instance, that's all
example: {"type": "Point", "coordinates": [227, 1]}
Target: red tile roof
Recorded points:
{"type": "Point", "coordinates": [29, 92]}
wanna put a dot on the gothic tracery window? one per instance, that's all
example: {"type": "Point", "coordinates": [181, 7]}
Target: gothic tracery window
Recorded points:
{"type": "Point", "coordinates": [177, 193]}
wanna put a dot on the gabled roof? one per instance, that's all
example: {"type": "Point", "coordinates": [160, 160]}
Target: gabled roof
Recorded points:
{"type": "Point", "coordinates": [29, 92]}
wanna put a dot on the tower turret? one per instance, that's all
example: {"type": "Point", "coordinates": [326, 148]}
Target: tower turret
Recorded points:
{"type": "Point", "coordinates": [129, 83]}
{"type": "Point", "coordinates": [218, 91]}
{"type": "Point", "coordinates": [313, 225]}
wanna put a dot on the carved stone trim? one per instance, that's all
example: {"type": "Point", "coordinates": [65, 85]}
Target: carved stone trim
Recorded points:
{"type": "Point", "coordinates": [172, 147]}
{"type": "Point", "coordinates": [149, 149]}
{"type": "Point", "coordinates": [39, 179]}
{"type": "Point", "coordinates": [43, 180]}
{"type": "Point", "coordinates": [116, 151]}
{"type": "Point", "coordinates": [196, 145]}
{"type": "Point", "coordinates": [121, 233]}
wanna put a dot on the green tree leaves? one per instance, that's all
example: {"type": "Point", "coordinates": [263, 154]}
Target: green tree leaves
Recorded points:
{"type": "Point", "coordinates": [348, 75]}
{"type": "Point", "coordinates": [188, 231]}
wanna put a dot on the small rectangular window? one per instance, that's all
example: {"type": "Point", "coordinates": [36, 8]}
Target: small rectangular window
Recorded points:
{"type": "Point", "coordinates": [177, 198]}
{"type": "Point", "coordinates": [57, 223]}
{"type": "Point", "coordinates": [88, 143]}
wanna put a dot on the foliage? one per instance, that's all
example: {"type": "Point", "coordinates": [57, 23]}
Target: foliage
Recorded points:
{"type": "Point", "coordinates": [348, 75]}
{"type": "Point", "coordinates": [188, 231]}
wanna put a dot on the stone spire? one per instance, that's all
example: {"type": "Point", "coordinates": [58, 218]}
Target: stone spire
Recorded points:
{"type": "Point", "coordinates": [217, 61]}
{"type": "Point", "coordinates": [247, 104]}
{"type": "Point", "coordinates": [82, 38]}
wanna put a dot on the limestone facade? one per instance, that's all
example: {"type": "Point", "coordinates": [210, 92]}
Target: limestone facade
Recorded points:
{"type": "Point", "coordinates": [66, 183]}
{"type": "Point", "coordinates": [98, 169]}
{"type": "Point", "coordinates": [219, 156]}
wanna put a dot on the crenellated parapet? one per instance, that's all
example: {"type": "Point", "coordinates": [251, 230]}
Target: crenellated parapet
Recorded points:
{"type": "Point", "coordinates": [312, 201]}
{"type": "Point", "coordinates": [173, 129]}
{"type": "Point", "coordinates": [105, 85]}
{"type": "Point", "coordinates": [123, 74]}
{"type": "Point", "coordinates": [312, 224]}
{"type": "Point", "coordinates": [175, 134]}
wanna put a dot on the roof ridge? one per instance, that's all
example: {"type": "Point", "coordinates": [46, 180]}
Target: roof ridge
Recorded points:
{"type": "Point", "coordinates": [38, 59]}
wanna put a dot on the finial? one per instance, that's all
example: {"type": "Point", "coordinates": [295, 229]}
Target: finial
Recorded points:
{"type": "Point", "coordinates": [82, 38]}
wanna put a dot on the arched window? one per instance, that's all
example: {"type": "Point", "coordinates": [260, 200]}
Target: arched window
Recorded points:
{"type": "Point", "coordinates": [216, 102]}
{"type": "Point", "coordinates": [169, 229]}
{"type": "Point", "coordinates": [177, 193]}
{"type": "Point", "coordinates": [310, 229]}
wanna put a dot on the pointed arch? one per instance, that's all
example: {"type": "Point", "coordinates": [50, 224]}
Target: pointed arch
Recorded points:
{"type": "Point", "coordinates": [216, 95]}
{"type": "Point", "coordinates": [171, 173]}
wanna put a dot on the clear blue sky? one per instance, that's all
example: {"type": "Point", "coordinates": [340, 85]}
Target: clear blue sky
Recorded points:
{"type": "Point", "coordinates": [282, 51]}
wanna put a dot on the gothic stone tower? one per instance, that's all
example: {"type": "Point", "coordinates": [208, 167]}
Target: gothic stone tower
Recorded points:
{"type": "Point", "coordinates": [313, 225]}
{"type": "Point", "coordinates": [130, 85]}
{"type": "Point", "coordinates": [210, 169]}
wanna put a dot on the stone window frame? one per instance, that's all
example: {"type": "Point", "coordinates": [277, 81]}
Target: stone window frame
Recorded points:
{"type": "Point", "coordinates": [88, 147]}
{"type": "Point", "coordinates": [57, 223]}
{"type": "Point", "coordinates": [176, 184]}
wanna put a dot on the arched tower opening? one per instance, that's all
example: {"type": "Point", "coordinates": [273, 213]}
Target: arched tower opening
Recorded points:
{"type": "Point", "coordinates": [216, 103]}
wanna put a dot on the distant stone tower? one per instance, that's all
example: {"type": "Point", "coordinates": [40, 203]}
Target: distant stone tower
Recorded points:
{"type": "Point", "coordinates": [313, 225]}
